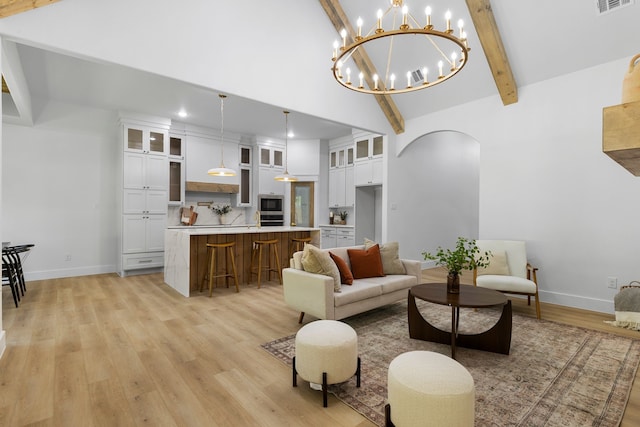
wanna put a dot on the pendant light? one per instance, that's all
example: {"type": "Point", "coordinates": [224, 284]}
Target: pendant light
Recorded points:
{"type": "Point", "coordinates": [285, 177]}
{"type": "Point", "coordinates": [221, 170]}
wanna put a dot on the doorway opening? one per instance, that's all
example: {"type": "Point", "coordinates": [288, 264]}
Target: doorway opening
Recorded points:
{"type": "Point", "coordinates": [302, 207]}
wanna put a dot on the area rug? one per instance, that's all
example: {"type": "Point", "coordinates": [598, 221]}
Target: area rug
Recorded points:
{"type": "Point", "coordinates": [555, 375]}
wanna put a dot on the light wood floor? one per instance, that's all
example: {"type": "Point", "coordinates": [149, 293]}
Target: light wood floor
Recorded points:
{"type": "Point", "coordinates": [110, 351]}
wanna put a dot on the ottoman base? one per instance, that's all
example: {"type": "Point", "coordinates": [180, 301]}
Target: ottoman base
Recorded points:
{"type": "Point", "coordinates": [324, 380]}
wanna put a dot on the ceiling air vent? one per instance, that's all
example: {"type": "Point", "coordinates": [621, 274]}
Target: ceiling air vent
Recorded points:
{"type": "Point", "coordinates": [606, 6]}
{"type": "Point", "coordinates": [417, 76]}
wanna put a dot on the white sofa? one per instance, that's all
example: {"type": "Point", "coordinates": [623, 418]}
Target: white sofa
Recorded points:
{"type": "Point", "coordinates": [314, 293]}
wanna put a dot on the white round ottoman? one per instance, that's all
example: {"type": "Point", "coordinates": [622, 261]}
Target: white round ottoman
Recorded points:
{"type": "Point", "coordinates": [326, 352]}
{"type": "Point", "coordinates": [429, 389]}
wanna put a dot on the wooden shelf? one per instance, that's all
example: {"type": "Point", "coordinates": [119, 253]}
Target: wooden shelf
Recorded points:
{"type": "Point", "coordinates": [621, 135]}
{"type": "Point", "coordinates": [211, 187]}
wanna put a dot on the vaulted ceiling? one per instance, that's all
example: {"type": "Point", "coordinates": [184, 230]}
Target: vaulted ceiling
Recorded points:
{"type": "Point", "coordinates": [514, 44]}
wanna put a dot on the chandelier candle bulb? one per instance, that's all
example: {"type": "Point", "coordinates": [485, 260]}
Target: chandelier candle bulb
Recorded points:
{"type": "Point", "coordinates": [461, 27]}
{"type": "Point", "coordinates": [427, 11]}
{"type": "Point", "coordinates": [393, 80]}
{"type": "Point", "coordinates": [447, 16]}
{"type": "Point", "coordinates": [454, 57]}
{"type": "Point", "coordinates": [375, 82]}
{"type": "Point", "coordinates": [425, 70]}
{"type": "Point", "coordinates": [348, 75]}
{"type": "Point", "coordinates": [335, 49]}
{"type": "Point", "coordinates": [359, 24]}
{"type": "Point", "coordinates": [361, 77]}
{"type": "Point", "coordinates": [339, 65]}
{"type": "Point", "coordinates": [343, 34]}
{"type": "Point", "coordinates": [408, 78]}
{"type": "Point", "coordinates": [405, 13]}
{"type": "Point", "coordinates": [440, 64]}
{"type": "Point", "coordinates": [379, 29]}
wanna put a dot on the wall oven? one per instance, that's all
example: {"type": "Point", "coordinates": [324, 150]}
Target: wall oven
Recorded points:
{"type": "Point", "coordinates": [271, 209]}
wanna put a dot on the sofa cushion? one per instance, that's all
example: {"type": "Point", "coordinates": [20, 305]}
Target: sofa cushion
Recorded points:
{"type": "Point", "coordinates": [346, 278]}
{"type": "Point", "coordinates": [317, 261]}
{"type": "Point", "coordinates": [389, 253]}
{"type": "Point", "coordinates": [366, 262]}
{"type": "Point", "coordinates": [497, 265]}
{"type": "Point", "coordinates": [391, 283]}
{"type": "Point", "coordinates": [297, 261]}
{"type": "Point", "coordinates": [360, 290]}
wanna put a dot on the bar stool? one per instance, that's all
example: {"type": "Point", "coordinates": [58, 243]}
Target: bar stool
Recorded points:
{"type": "Point", "coordinates": [297, 244]}
{"type": "Point", "coordinates": [211, 275]}
{"type": "Point", "coordinates": [257, 249]}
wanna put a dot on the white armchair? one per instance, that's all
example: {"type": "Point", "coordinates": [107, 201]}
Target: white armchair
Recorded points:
{"type": "Point", "coordinates": [508, 270]}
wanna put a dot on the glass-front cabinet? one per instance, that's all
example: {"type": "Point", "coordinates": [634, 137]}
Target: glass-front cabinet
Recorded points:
{"type": "Point", "coordinates": [144, 140]}
{"type": "Point", "coordinates": [368, 148]}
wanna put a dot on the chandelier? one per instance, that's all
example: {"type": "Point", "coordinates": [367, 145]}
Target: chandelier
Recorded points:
{"type": "Point", "coordinates": [422, 47]}
{"type": "Point", "coordinates": [221, 170]}
{"type": "Point", "coordinates": [285, 177]}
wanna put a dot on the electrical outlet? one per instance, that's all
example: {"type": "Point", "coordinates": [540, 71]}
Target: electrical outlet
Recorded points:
{"type": "Point", "coordinates": [612, 282]}
{"type": "Point", "coordinates": [67, 257]}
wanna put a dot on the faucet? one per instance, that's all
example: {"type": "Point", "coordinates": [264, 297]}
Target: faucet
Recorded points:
{"type": "Point", "coordinates": [257, 218]}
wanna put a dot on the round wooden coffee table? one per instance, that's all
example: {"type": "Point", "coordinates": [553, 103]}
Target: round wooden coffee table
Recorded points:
{"type": "Point", "coordinates": [497, 339]}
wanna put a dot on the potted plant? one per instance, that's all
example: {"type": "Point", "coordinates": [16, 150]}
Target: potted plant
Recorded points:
{"type": "Point", "coordinates": [465, 256]}
{"type": "Point", "coordinates": [221, 211]}
{"type": "Point", "coordinates": [343, 216]}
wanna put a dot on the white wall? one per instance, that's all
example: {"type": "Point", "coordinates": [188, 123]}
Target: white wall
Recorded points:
{"type": "Point", "coordinates": [434, 193]}
{"type": "Point", "coordinates": [213, 44]}
{"type": "Point", "coordinates": [59, 191]}
{"type": "Point", "coordinates": [545, 179]}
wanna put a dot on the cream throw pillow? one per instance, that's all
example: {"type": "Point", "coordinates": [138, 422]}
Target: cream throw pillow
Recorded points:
{"type": "Point", "coordinates": [317, 261]}
{"type": "Point", "coordinates": [391, 263]}
{"type": "Point", "coordinates": [497, 265]}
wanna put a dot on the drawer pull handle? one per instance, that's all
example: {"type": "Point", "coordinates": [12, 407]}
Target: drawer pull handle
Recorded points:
{"type": "Point", "coordinates": [144, 261]}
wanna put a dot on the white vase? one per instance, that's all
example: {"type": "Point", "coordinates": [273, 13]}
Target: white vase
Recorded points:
{"type": "Point", "coordinates": [222, 219]}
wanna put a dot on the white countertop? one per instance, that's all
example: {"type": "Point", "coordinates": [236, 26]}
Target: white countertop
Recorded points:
{"type": "Point", "coordinates": [337, 225]}
{"type": "Point", "coordinates": [234, 229]}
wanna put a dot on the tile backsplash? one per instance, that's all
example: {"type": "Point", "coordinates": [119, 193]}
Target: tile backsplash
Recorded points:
{"type": "Point", "coordinates": [206, 215]}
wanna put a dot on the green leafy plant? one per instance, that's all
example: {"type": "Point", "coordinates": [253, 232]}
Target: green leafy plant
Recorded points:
{"type": "Point", "coordinates": [343, 215]}
{"type": "Point", "coordinates": [465, 256]}
{"type": "Point", "coordinates": [221, 209]}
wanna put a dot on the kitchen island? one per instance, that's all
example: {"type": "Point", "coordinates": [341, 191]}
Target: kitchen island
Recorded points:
{"type": "Point", "coordinates": [185, 250]}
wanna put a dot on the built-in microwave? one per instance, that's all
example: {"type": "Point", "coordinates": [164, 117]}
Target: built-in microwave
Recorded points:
{"type": "Point", "coordinates": [270, 204]}
{"type": "Point", "coordinates": [271, 209]}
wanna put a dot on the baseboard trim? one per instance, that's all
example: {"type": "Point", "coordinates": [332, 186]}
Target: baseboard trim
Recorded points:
{"type": "Point", "coordinates": [577, 301]}
{"type": "Point", "coordinates": [3, 342]}
{"type": "Point", "coordinates": [69, 272]}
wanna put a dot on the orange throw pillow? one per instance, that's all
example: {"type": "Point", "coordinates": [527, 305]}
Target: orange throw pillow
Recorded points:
{"type": "Point", "coordinates": [346, 278]}
{"type": "Point", "coordinates": [366, 263]}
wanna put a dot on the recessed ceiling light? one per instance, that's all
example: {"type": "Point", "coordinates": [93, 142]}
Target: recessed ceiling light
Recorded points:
{"type": "Point", "coordinates": [182, 113]}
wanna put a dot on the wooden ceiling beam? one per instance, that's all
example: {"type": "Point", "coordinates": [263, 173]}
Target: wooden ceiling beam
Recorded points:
{"type": "Point", "coordinates": [485, 24]}
{"type": "Point", "coordinates": [339, 19]}
{"type": "Point", "coordinates": [12, 7]}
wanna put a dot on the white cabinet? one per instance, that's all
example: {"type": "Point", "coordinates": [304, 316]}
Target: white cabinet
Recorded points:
{"type": "Point", "coordinates": [368, 172]}
{"type": "Point", "coordinates": [327, 237]}
{"type": "Point", "coordinates": [369, 147]}
{"type": "Point", "coordinates": [143, 139]}
{"type": "Point", "coordinates": [340, 157]}
{"type": "Point", "coordinates": [368, 160]}
{"type": "Point", "coordinates": [245, 193]}
{"type": "Point", "coordinates": [177, 148]}
{"type": "Point", "coordinates": [341, 176]}
{"type": "Point", "coordinates": [271, 157]}
{"type": "Point", "coordinates": [341, 187]}
{"type": "Point", "coordinates": [345, 236]}
{"type": "Point", "coordinates": [336, 236]}
{"type": "Point", "coordinates": [267, 183]}
{"type": "Point", "coordinates": [146, 170]}
{"type": "Point", "coordinates": [143, 233]}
